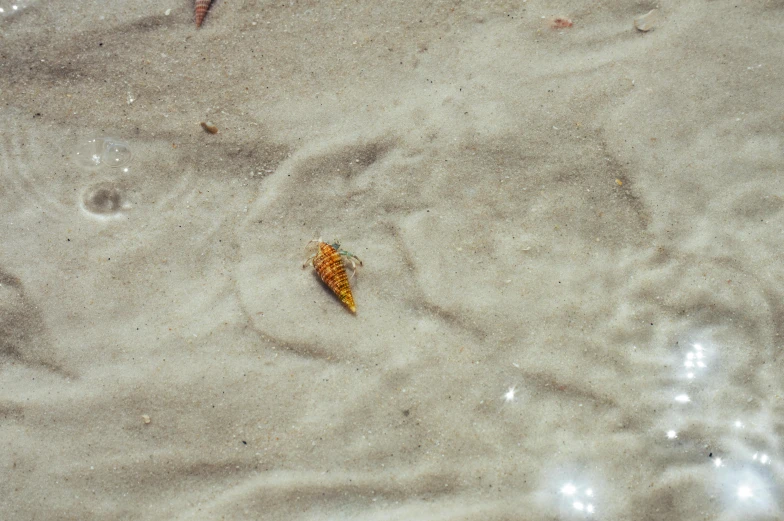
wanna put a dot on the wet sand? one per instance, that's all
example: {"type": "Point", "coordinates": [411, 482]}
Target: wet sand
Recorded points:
{"type": "Point", "coordinates": [571, 304]}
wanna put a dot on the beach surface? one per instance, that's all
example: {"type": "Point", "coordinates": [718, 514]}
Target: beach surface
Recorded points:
{"type": "Point", "coordinates": [571, 304]}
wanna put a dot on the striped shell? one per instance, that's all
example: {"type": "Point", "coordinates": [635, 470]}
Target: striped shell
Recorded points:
{"type": "Point", "coordinates": [329, 266]}
{"type": "Point", "coordinates": [202, 6]}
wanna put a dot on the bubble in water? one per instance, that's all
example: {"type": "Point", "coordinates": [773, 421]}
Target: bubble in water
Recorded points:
{"type": "Point", "coordinates": [99, 151]}
{"type": "Point", "coordinates": [88, 153]}
{"type": "Point", "coordinates": [115, 153]}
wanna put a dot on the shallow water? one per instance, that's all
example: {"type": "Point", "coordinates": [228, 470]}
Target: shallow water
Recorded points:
{"type": "Point", "coordinates": [571, 299]}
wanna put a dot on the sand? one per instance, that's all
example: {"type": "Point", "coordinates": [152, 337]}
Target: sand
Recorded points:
{"type": "Point", "coordinates": [571, 304]}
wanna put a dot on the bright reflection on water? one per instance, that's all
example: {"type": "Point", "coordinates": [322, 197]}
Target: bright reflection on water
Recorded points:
{"type": "Point", "coordinates": [568, 489]}
{"type": "Point", "coordinates": [762, 458]}
{"type": "Point", "coordinates": [9, 9]}
{"type": "Point", "coordinates": [744, 492]}
{"type": "Point", "coordinates": [695, 361]}
{"type": "Point", "coordinates": [747, 492]}
{"type": "Point", "coordinates": [745, 471]}
{"type": "Point", "coordinates": [577, 500]}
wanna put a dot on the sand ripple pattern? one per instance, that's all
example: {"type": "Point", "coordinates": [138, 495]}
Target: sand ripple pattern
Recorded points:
{"type": "Point", "coordinates": [571, 304]}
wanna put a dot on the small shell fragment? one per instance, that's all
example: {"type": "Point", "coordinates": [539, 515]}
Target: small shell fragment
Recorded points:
{"type": "Point", "coordinates": [561, 22]}
{"type": "Point", "coordinates": [645, 22]}
{"type": "Point", "coordinates": [209, 127]}
{"type": "Point", "coordinates": [146, 419]}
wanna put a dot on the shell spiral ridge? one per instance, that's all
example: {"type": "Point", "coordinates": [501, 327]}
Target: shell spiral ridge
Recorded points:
{"type": "Point", "coordinates": [329, 266]}
{"type": "Point", "coordinates": [201, 8]}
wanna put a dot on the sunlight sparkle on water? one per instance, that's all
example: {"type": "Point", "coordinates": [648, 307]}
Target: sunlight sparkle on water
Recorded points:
{"type": "Point", "coordinates": [762, 458]}
{"type": "Point", "coordinates": [580, 499]}
{"type": "Point", "coordinates": [671, 435]}
{"type": "Point", "coordinates": [744, 492]}
{"type": "Point", "coordinates": [510, 394]}
{"type": "Point", "coordinates": [568, 489]}
{"type": "Point", "coordinates": [682, 398]}
{"type": "Point", "coordinates": [694, 358]}
{"type": "Point", "coordinates": [752, 492]}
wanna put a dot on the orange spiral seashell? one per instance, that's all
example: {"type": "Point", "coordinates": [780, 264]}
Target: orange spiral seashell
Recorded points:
{"type": "Point", "coordinates": [329, 266]}
{"type": "Point", "coordinates": [202, 6]}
